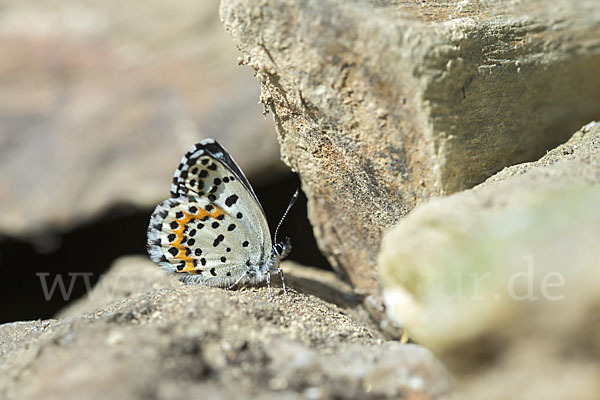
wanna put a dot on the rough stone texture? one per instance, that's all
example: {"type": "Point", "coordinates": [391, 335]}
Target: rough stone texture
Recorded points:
{"type": "Point", "coordinates": [100, 99]}
{"type": "Point", "coordinates": [157, 338]}
{"type": "Point", "coordinates": [501, 281]}
{"type": "Point", "coordinates": [380, 105]}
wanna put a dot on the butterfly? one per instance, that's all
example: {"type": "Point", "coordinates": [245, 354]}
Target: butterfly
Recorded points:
{"type": "Point", "coordinates": [213, 230]}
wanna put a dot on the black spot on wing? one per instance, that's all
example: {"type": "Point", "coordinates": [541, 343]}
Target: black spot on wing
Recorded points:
{"type": "Point", "coordinates": [218, 240]}
{"type": "Point", "coordinates": [231, 200]}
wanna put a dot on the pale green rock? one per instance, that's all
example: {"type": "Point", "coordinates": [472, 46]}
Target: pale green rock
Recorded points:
{"type": "Point", "coordinates": [501, 281]}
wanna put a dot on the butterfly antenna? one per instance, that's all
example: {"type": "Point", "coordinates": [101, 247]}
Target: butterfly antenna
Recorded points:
{"type": "Point", "coordinates": [292, 201]}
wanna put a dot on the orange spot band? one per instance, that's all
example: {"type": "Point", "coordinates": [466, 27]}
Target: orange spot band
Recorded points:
{"type": "Point", "coordinates": [201, 214]}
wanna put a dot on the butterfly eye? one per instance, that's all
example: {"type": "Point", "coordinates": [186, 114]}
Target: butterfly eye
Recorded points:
{"type": "Point", "coordinates": [278, 248]}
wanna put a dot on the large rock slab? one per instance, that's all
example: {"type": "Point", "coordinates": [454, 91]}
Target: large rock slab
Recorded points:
{"type": "Point", "coordinates": [101, 99]}
{"type": "Point", "coordinates": [501, 281]}
{"type": "Point", "coordinates": [380, 105]}
{"type": "Point", "coordinates": [156, 338]}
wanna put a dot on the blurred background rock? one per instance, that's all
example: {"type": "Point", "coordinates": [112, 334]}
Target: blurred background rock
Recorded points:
{"type": "Point", "coordinates": [99, 100]}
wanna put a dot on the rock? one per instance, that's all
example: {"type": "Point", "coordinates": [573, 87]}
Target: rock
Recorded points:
{"type": "Point", "coordinates": [323, 284]}
{"type": "Point", "coordinates": [501, 281]}
{"type": "Point", "coordinates": [129, 276]}
{"type": "Point", "coordinates": [381, 105]}
{"type": "Point", "coordinates": [165, 340]}
{"type": "Point", "coordinates": [101, 100]}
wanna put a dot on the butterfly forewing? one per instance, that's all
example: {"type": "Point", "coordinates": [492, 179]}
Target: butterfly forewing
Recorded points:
{"type": "Point", "coordinates": [213, 224]}
{"type": "Point", "coordinates": [198, 163]}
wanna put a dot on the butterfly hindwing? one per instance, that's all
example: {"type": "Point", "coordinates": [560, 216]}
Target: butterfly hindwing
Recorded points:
{"type": "Point", "coordinates": [201, 239]}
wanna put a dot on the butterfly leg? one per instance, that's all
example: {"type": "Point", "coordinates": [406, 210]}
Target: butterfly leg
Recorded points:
{"type": "Point", "coordinates": [280, 272]}
{"type": "Point", "coordinates": [282, 280]}
{"type": "Point", "coordinates": [269, 284]}
{"type": "Point", "coordinates": [234, 284]}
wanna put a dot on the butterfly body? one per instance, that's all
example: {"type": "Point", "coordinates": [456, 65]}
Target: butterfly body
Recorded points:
{"type": "Point", "coordinates": [213, 230]}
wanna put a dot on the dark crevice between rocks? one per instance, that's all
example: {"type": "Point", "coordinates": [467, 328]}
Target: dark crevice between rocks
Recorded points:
{"type": "Point", "coordinates": [88, 250]}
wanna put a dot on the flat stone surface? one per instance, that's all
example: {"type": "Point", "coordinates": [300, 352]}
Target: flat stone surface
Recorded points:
{"type": "Point", "coordinates": [155, 337]}
{"type": "Point", "coordinates": [380, 105]}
